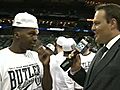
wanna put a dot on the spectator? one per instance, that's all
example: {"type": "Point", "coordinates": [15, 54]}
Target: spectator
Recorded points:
{"type": "Point", "coordinates": [61, 81]}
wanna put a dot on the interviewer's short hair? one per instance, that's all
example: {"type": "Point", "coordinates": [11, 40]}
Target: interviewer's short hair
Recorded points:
{"type": "Point", "coordinates": [111, 10]}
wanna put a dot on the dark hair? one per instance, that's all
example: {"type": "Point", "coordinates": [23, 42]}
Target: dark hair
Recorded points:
{"type": "Point", "coordinates": [112, 11]}
{"type": "Point", "coordinates": [18, 29]}
{"type": "Point", "coordinates": [14, 29]}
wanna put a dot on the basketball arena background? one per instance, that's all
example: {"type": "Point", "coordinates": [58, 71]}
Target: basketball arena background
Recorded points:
{"type": "Point", "coordinates": [71, 18]}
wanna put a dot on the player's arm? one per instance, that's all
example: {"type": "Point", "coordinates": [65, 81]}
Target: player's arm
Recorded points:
{"type": "Point", "coordinates": [44, 57]}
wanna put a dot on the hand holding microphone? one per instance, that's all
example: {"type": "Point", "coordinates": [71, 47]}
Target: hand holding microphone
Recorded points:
{"type": "Point", "coordinates": [72, 60]}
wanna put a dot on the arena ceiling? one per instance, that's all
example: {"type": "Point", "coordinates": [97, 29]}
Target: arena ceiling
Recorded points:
{"type": "Point", "coordinates": [65, 11]}
{"type": "Point", "coordinates": [52, 9]}
{"type": "Point", "coordinates": [48, 6]}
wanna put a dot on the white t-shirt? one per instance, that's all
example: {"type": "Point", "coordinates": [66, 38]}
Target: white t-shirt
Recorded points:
{"type": "Point", "coordinates": [61, 80]}
{"type": "Point", "coordinates": [20, 71]}
{"type": "Point", "coordinates": [86, 60]}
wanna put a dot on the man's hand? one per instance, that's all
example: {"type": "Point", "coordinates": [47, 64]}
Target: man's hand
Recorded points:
{"type": "Point", "coordinates": [44, 55]}
{"type": "Point", "coordinates": [76, 63]}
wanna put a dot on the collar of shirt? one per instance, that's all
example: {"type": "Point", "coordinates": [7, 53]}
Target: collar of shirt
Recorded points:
{"type": "Point", "coordinates": [110, 44]}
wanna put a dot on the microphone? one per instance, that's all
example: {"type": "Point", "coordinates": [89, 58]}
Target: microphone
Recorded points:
{"type": "Point", "coordinates": [81, 47]}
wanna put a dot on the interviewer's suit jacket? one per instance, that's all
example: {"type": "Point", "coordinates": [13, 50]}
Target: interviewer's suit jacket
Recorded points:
{"type": "Point", "coordinates": [104, 76]}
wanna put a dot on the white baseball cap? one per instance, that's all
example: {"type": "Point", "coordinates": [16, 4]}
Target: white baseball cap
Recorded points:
{"type": "Point", "coordinates": [72, 41]}
{"type": "Point", "coordinates": [51, 46]}
{"type": "Point", "coordinates": [61, 40]}
{"type": "Point", "coordinates": [69, 45]}
{"type": "Point", "coordinates": [25, 20]}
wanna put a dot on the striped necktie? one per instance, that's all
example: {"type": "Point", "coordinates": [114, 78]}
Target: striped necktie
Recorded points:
{"type": "Point", "coordinates": [100, 54]}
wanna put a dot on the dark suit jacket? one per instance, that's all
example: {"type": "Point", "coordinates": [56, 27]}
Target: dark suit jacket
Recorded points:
{"type": "Point", "coordinates": [104, 76]}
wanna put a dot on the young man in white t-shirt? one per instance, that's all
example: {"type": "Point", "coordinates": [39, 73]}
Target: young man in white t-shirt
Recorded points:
{"type": "Point", "coordinates": [61, 80]}
{"type": "Point", "coordinates": [20, 68]}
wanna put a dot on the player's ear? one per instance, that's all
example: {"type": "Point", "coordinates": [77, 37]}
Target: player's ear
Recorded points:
{"type": "Point", "coordinates": [17, 34]}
